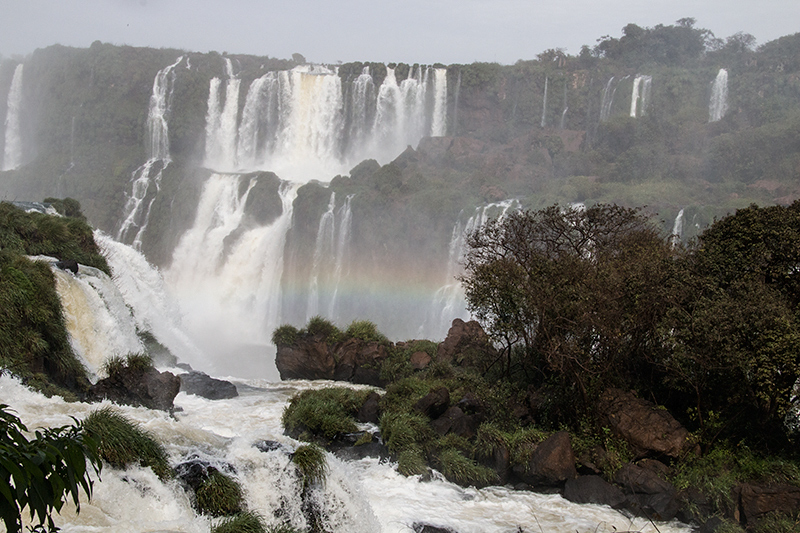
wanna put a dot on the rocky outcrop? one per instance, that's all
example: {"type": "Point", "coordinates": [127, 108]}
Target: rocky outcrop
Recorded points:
{"type": "Point", "coordinates": [465, 342]}
{"type": "Point", "coordinates": [648, 429]}
{"type": "Point", "coordinates": [593, 489]}
{"type": "Point", "coordinates": [756, 501]}
{"type": "Point", "coordinates": [201, 384]}
{"type": "Point", "coordinates": [551, 463]}
{"type": "Point", "coordinates": [353, 360]}
{"type": "Point", "coordinates": [146, 388]}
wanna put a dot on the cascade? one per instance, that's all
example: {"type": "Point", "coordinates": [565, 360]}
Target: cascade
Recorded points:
{"type": "Point", "coordinates": [361, 112]}
{"type": "Point", "coordinates": [718, 105]}
{"type": "Point", "coordinates": [566, 108]}
{"type": "Point", "coordinates": [221, 123]}
{"type": "Point", "coordinates": [677, 229]}
{"type": "Point", "coordinates": [455, 105]}
{"type": "Point", "coordinates": [544, 104]}
{"type": "Point", "coordinates": [345, 216]}
{"type": "Point", "coordinates": [226, 274]}
{"type": "Point", "coordinates": [322, 250]}
{"type": "Point", "coordinates": [136, 212]}
{"type": "Point", "coordinates": [439, 124]}
{"type": "Point", "coordinates": [608, 99]}
{"type": "Point", "coordinates": [12, 156]}
{"type": "Point", "coordinates": [448, 301]}
{"type": "Point", "coordinates": [640, 94]}
{"type": "Point", "coordinates": [99, 322]}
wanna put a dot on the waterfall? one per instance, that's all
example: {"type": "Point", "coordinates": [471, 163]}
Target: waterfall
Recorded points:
{"type": "Point", "coordinates": [226, 274]}
{"type": "Point", "coordinates": [222, 123]}
{"type": "Point", "coordinates": [323, 250]}
{"type": "Point", "coordinates": [640, 95]}
{"type": "Point", "coordinates": [607, 103]}
{"type": "Point", "coordinates": [330, 252]}
{"type": "Point", "coordinates": [566, 108]}
{"type": "Point", "coordinates": [718, 105]}
{"type": "Point", "coordinates": [136, 213]}
{"type": "Point", "coordinates": [544, 104]}
{"type": "Point", "coordinates": [12, 157]}
{"type": "Point", "coordinates": [99, 323]}
{"type": "Point", "coordinates": [448, 301]}
{"type": "Point", "coordinates": [677, 229]}
{"type": "Point", "coordinates": [439, 124]}
{"type": "Point", "coordinates": [455, 105]}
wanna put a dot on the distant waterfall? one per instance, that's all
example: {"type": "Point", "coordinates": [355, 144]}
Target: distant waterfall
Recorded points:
{"type": "Point", "coordinates": [330, 251]}
{"type": "Point", "coordinates": [566, 108]}
{"type": "Point", "coordinates": [226, 273]}
{"type": "Point", "coordinates": [12, 156]}
{"type": "Point", "coordinates": [608, 98]}
{"type": "Point", "coordinates": [640, 95]}
{"type": "Point", "coordinates": [137, 207]}
{"type": "Point", "coordinates": [677, 229]}
{"type": "Point", "coordinates": [718, 105]}
{"type": "Point", "coordinates": [298, 124]}
{"type": "Point", "coordinates": [448, 302]}
{"type": "Point", "coordinates": [544, 104]}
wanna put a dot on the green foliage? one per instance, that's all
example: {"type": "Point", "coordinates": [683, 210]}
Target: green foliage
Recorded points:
{"type": "Point", "coordinates": [285, 335]}
{"type": "Point", "coordinates": [39, 234]}
{"type": "Point", "coordinates": [366, 331]}
{"type": "Point", "coordinates": [311, 462]}
{"type": "Point", "coordinates": [33, 334]}
{"type": "Point", "coordinates": [324, 329]}
{"type": "Point", "coordinates": [68, 207]}
{"type": "Point", "coordinates": [121, 442]}
{"type": "Point", "coordinates": [220, 495]}
{"type": "Point", "coordinates": [135, 362]}
{"type": "Point", "coordinates": [778, 523]}
{"type": "Point", "coordinates": [717, 472]}
{"type": "Point", "coordinates": [324, 412]}
{"type": "Point", "coordinates": [44, 470]}
{"type": "Point", "coordinates": [464, 471]}
{"type": "Point", "coordinates": [403, 431]}
{"type": "Point", "coordinates": [245, 522]}
{"type": "Point", "coordinates": [411, 462]}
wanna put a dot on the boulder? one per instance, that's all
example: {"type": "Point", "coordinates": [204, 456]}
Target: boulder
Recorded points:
{"type": "Point", "coordinates": [454, 420]}
{"type": "Point", "coordinates": [648, 429]}
{"type": "Point", "coordinates": [369, 411]}
{"type": "Point", "coordinates": [146, 388]}
{"type": "Point", "coordinates": [464, 341]}
{"type": "Point", "coordinates": [551, 463]}
{"type": "Point", "coordinates": [420, 360]}
{"type": "Point", "coordinates": [306, 359]}
{"type": "Point", "coordinates": [637, 480]}
{"type": "Point", "coordinates": [435, 403]}
{"type": "Point", "coordinates": [661, 506]}
{"type": "Point", "coordinates": [201, 384]}
{"type": "Point", "coordinates": [593, 489]}
{"type": "Point", "coordinates": [419, 527]}
{"type": "Point", "coordinates": [755, 501]}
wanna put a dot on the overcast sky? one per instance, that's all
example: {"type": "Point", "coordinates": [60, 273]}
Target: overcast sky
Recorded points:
{"type": "Point", "coordinates": [326, 31]}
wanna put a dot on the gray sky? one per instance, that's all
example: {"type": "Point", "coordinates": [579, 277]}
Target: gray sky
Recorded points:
{"type": "Point", "coordinates": [424, 31]}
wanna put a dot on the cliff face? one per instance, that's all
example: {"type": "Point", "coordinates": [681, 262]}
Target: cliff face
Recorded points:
{"type": "Point", "coordinates": [634, 127]}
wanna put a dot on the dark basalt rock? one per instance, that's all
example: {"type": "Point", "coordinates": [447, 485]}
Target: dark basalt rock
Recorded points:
{"type": "Point", "coordinates": [435, 403]}
{"type": "Point", "coordinates": [201, 384]}
{"type": "Point", "coordinates": [265, 446]}
{"type": "Point", "coordinates": [146, 388]}
{"type": "Point", "coordinates": [68, 264]}
{"type": "Point", "coordinates": [419, 527]}
{"type": "Point", "coordinates": [551, 463]}
{"type": "Point", "coordinates": [369, 412]}
{"type": "Point", "coordinates": [593, 489]}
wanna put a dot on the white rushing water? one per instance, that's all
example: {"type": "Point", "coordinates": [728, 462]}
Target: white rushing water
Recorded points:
{"type": "Point", "coordinates": [361, 496]}
{"type": "Point", "coordinates": [12, 155]}
{"type": "Point", "coordinates": [640, 94]}
{"type": "Point", "coordinates": [136, 212]}
{"type": "Point", "coordinates": [718, 103]}
{"type": "Point", "coordinates": [544, 104]}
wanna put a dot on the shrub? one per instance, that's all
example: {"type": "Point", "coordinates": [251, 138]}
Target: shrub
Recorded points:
{"type": "Point", "coordinates": [45, 471]}
{"type": "Point", "coordinates": [324, 412]}
{"type": "Point", "coordinates": [219, 495]}
{"type": "Point", "coordinates": [135, 362]}
{"type": "Point", "coordinates": [285, 335]}
{"type": "Point", "coordinates": [463, 470]}
{"type": "Point", "coordinates": [323, 328]}
{"type": "Point", "coordinates": [244, 522]}
{"type": "Point", "coordinates": [402, 431]}
{"type": "Point", "coordinates": [410, 462]}
{"type": "Point", "coordinates": [121, 442]}
{"type": "Point", "coordinates": [366, 331]}
{"type": "Point", "coordinates": [311, 463]}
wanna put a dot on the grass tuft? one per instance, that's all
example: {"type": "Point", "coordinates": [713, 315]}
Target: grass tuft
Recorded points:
{"type": "Point", "coordinates": [219, 495]}
{"type": "Point", "coordinates": [463, 470]}
{"type": "Point", "coordinates": [244, 522]}
{"type": "Point", "coordinates": [312, 464]}
{"type": "Point", "coordinates": [366, 331]}
{"type": "Point", "coordinates": [122, 442]}
{"type": "Point", "coordinates": [324, 412]}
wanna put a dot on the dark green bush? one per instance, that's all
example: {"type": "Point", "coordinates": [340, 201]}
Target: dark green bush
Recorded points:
{"type": "Point", "coordinates": [219, 495]}
{"type": "Point", "coordinates": [311, 462]}
{"type": "Point", "coordinates": [366, 331]}
{"type": "Point", "coordinates": [244, 522]}
{"type": "Point", "coordinates": [324, 329]}
{"type": "Point", "coordinates": [325, 412]}
{"type": "Point", "coordinates": [121, 442]}
{"type": "Point", "coordinates": [285, 335]}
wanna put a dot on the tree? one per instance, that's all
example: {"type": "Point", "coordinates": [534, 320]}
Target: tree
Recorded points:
{"type": "Point", "coordinates": [580, 292]}
{"type": "Point", "coordinates": [42, 472]}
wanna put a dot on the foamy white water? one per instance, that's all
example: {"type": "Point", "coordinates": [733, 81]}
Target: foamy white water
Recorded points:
{"type": "Point", "coordinates": [718, 103]}
{"type": "Point", "coordinates": [363, 496]}
{"type": "Point", "coordinates": [12, 156]}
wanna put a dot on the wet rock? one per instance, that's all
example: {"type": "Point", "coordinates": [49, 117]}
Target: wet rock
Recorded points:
{"type": "Point", "coordinates": [551, 463]}
{"type": "Point", "coordinates": [201, 384]}
{"type": "Point", "coordinates": [755, 501]}
{"type": "Point", "coordinates": [593, 489]}
{"type": "Point", "coordinates": [637, 480]}
{"type": "Point", "coordinates": [369, 412]}
{"type": "Point", "coordinates": [435, 403]}
{"type": "Point", "coordinates": [465, 342]}
{"type": "Point", "coordinates": [419, 527]}
{"type": "Point", "coordinates": [265, 446]}
{"type": "Point", "coordinates": [454, 420]}
{"type": "Point", "coordinates": [139, 388]}
{"type": "Point", "coordinates": [420, 360]}
{"type": "Point", "coordinates": [645, 427]}
{"type": "Point", "coordinates": [306, 359]}
{"type": "Point", "coordinates": [68, 264]}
